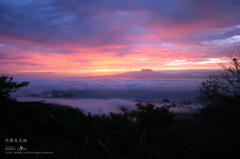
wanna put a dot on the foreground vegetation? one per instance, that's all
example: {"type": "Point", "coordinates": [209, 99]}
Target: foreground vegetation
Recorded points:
{"type": "Point", "coordinates": [148, 132]}
{"type": "Point", "coordinates": [145, 133]}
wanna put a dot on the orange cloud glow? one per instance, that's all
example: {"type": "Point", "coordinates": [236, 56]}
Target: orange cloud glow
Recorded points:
{"type": "Point", "coordinates": [116, 36]}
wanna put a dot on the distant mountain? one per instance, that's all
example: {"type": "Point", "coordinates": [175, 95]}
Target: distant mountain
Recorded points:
{"type": "Point", "coordinates": [148, 73]}
{"type": "Point", "coordinates": [143, 73]}
{"type": "Point", "coordinates": [68, 95]}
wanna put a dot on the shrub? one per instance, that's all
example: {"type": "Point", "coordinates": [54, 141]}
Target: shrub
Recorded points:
{"type": "Point", "coordinates": [7, 86]}
{"type": "Point", "coordinates": [220, 95]}
{"type": "Point", "coordinates": [150, 117]}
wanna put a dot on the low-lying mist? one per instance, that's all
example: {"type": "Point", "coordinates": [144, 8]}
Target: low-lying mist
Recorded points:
{"type": "Point", "coordinates": [108, 95]}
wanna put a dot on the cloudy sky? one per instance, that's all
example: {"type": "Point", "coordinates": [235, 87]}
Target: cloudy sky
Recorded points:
{"type": "Point", "coordinates": [87, 37]}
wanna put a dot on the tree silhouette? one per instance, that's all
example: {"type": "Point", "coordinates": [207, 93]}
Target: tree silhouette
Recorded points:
{"type": "Point", "coordinates": [222, 93]}
{"type": "Point", "coordinates": [7, 86]}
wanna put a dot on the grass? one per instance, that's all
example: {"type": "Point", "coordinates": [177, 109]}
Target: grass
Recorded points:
{"type": "Point", "coordinates": [148, 132]}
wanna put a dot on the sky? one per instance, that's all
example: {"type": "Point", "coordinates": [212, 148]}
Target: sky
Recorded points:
{"type": "Point", "coordinates": [103, 37]}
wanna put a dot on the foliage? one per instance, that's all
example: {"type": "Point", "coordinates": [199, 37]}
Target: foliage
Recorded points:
{"type": "Point", "coordinates": [151, 118]}
{"type": "Point", "coordinates": [69, 133]}
{"type": "Point", "coordinates": [220, 95]}
{"type": "Point", "coordinates": [7, 86]}
{"type": "Point", "coordinates": [222, 89]}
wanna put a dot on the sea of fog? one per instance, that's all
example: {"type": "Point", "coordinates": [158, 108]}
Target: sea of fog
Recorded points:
{"type": "Point", "coordinates": [108, 95]}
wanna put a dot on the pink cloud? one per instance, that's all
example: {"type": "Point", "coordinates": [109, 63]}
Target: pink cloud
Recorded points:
{"type": "Point", "coordinates": [108, 37]}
